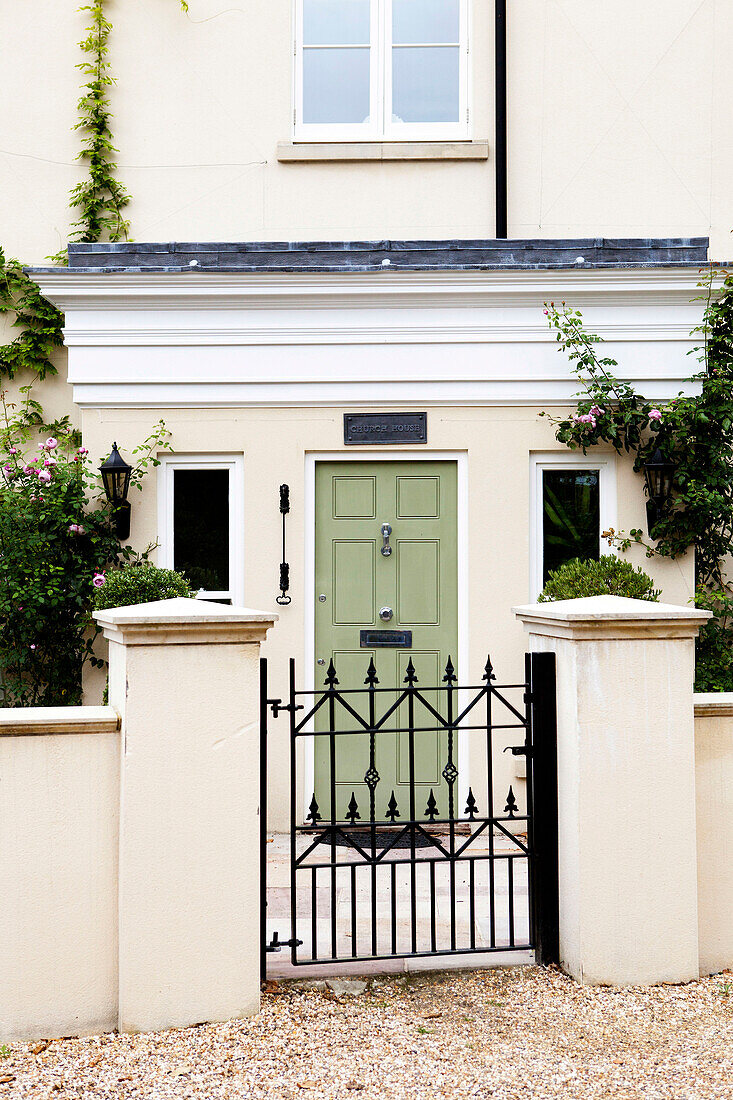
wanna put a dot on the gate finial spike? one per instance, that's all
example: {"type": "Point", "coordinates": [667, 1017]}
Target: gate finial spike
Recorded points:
{"type": "Point", "coordinates": [511, 805]}
{"type": "Point", "coordinates": [410, 678]}
{"type": "Point", "coordinates": [471, 807]}
{"type": "Point", "coordinates": [352, 814]}
{"type": "Point", "coordinates": [488, 670]}
{"type": "Point", "coordinates": [450, 673]}
{"type": "Point", "coordinates": [392, 811]}
{"type": "Point", "coordinates": [432, 807]}
{"type": "Point", "coordinates": [313, 814]}
{"type": "Point", "coordinates": [331, 678]}
{"type": "Point", "coordinates": [371, 676]}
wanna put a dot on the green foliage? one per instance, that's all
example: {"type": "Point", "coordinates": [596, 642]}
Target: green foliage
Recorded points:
{"type": "Point", "coordinates": [40, 323]}
{"type": "Point", "coordinates": [609, 576]}
{"type": "Point", "coordinates": [140, 582]}
{"type": "Point", "coordinates": [56, 537]}
{"type": "Point", "coordinates": [696, 433]}
{"type": "Point", "coordinates": [101, 198]}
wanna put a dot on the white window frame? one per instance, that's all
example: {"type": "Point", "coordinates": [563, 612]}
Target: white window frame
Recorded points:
{"type": "Point", "coordinates": [166, 535]}
{"type": "Point", "coordinates": [606, 466]}
{"type": "Point", "coordinates": [380, 126]}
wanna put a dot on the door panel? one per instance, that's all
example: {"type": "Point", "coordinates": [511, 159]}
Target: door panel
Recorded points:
{"type": "Point", "coordinates": [354, 497]}
{"type": "Point", "coordinates": [418, 497]}
{"type": "Point", "coordinates": [418, 582]}
{"type": "Point", "coordinates": [353, 582]}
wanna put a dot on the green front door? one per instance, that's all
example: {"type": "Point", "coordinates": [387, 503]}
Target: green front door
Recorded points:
{"type": "Point", "coordinates": [355, 582]}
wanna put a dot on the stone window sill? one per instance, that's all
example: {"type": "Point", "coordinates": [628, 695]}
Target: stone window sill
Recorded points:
{"type": "Point", "coordinates": [377, 150]}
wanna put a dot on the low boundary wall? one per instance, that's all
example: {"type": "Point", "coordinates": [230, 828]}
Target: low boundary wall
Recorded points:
{"type": "Point", "coordinates": [59, 799]}
{"type": "Point", "coordinates": [129, 872]}
{"type": "Point", "coordinates": [714, 797]}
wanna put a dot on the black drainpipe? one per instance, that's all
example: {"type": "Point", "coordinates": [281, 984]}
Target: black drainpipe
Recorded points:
{"type": "Point", "coordinates": [501, 124]}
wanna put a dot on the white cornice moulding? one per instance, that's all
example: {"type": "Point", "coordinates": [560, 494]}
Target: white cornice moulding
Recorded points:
{"type": "Point", "coordinates": [422, 333]}
{"type": "Point", "coordinates": [232, 339]}
{"type": "Point", "coordinates": [79, 289]}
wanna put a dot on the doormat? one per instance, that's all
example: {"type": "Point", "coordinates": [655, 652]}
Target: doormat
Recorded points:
{"type": "Point", "coordinates": [383, 839]}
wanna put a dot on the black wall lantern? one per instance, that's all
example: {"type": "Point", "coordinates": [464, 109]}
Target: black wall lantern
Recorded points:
{"type": "Point", "coordinates": [116, 479]}
{"type": "Point", "coordinates": [659, 475]}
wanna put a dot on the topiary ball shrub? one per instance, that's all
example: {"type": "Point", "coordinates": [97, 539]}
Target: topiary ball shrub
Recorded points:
{"type": "Point", "coordinates": [609, 576]}
{"type": "Point", "coordinates": [139, 582]}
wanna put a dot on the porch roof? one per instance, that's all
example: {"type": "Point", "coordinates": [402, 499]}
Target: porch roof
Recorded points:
{"type": "Point", "coordinates": [359, 256]}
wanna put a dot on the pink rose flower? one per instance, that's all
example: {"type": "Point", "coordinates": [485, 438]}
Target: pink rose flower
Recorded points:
{"type": "Point", "coordinates": [13, 451]}
{"type": "Point", "coordinates": [596, 410]}
{"type": "Point", "coordinates": [32, 647]}
{"type": "Point", "coordinates": [51, 443]}
{"type": "Point", "coordinates": [655, 414]}
{"type": "Point", "coordinates": [44, 475]}
{"type": "Point", "coordinates": [28, 470]}
{"type": "Point", "coordinates": [98, 580]}
{"type": "Point", "coordinates": [83, 451]}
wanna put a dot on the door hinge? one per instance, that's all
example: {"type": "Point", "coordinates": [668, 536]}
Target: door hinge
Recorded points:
{"type": "Point", "coordinates": [276, 944]}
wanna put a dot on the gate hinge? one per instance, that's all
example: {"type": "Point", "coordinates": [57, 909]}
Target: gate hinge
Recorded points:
{"type": "Point", "coordinates": [276, 944]}
{"type": "Point", "coordinates": [278, 705]}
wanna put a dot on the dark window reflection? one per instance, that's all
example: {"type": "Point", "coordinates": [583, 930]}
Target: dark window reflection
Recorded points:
{"type": "Point", "coordinates": [571, 517]}
{"type": "Point", "coordinates": [201, 527]}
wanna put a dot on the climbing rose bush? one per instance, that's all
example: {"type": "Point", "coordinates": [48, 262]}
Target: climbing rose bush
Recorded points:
{"type": "Point", "coordinates": [56, 537]}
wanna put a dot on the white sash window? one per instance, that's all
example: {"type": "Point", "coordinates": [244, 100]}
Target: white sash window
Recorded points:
{"type": "Point", "coordinates": [381, 70]}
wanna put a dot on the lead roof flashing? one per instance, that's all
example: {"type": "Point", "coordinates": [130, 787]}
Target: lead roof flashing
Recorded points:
{"type": "Point", "coordinates": [369, 256]}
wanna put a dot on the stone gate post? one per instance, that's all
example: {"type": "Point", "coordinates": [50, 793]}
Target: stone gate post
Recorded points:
{"type": "Point", "coordinates": [626, 786]}
{"type": "Point", "coordinates": [184, 677]}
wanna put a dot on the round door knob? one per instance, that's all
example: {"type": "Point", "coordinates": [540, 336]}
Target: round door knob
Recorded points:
{"type": "Point", "coordinates": [385, 614]}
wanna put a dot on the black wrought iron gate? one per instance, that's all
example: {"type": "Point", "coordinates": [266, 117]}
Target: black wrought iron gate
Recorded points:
{"type": "Point", "coordinates": [474, 870]}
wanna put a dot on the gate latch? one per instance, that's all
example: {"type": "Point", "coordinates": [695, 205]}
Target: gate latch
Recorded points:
{"type": "Point", "coordinates": [276, 944]}
{"type": "Point", "coordinates": [277, 705]}
{"type": "Point", "coordinates": [518, 750]}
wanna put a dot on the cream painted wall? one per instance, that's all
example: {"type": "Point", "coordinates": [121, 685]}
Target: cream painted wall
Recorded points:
{"type": "Point", "coordinates": [620, 125]}
{"type": "Point", "coordinates": [274, 442]}
{"type": "Point", "coordinates": [58, 874]}
{"type": "Point", "coordinates": [714, 781]}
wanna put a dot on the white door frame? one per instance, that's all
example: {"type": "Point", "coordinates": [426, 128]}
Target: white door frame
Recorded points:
{"type": "Point", "coordinates": [462, 656]}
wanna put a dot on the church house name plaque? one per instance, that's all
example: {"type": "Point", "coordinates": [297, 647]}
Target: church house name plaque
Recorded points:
{"type": "Point", "coordinates": [385, 427]}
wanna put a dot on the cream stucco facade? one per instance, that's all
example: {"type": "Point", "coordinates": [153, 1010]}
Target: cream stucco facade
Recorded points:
{"type": "Point", "coordinates": [619, 127]}
{"type": "Point", "coordinates": [261, 368]}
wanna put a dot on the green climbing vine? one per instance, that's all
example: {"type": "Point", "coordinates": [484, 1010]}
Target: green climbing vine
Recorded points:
{"type": "Point", "coordinates": [39, 323]}
{"type": "Point", "coordinates": [695, 432]}
{"type": "Point", "coordinates": [100, 198]}
{"type": "Point", "coordinates": [99, 201]}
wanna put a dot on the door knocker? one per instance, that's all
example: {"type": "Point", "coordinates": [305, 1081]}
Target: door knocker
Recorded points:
{"type": "Point", "coordinates": [386, 532]}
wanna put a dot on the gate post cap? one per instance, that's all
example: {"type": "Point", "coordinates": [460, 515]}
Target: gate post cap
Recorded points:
{"type": "Point", "coordinates": [182, 621]}
{"type": "Point", "coordinates": [611, 617]}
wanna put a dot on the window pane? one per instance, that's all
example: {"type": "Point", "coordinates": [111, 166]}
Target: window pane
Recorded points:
{"type": "Point", "coordinates": [425, 21]}
{"type": "Point", "coordinates": [336, 85]}
{"type": "Point", "coordinates": [425, 84]}
{"type": "Point", "coordinates": [571, 517]}
{"type": "Point", "coordinates": [336, 22]}
{"type": "Point", "coordinates": [201, 527]}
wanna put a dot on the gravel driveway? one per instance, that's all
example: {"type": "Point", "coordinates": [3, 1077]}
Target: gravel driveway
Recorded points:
{"type": "Point", "coordinates": [503, 1034]}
